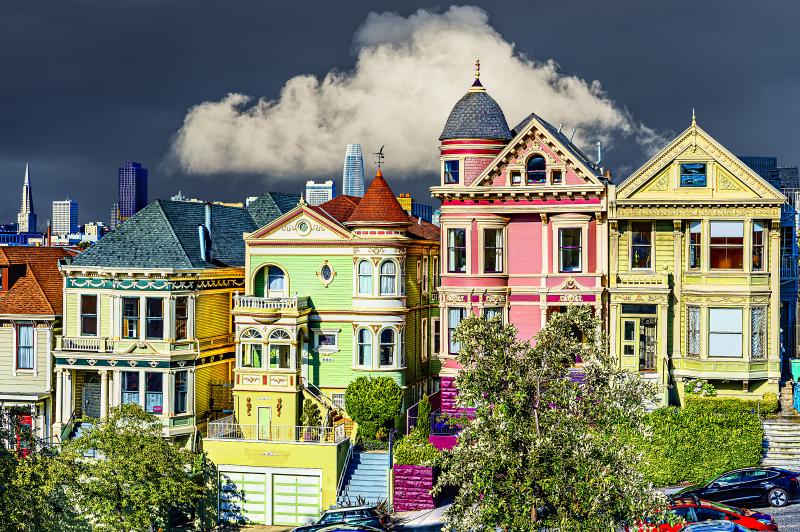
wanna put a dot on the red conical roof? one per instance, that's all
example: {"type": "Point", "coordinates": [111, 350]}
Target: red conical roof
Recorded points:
{"type": "Point", "coordinates": [379, 206]}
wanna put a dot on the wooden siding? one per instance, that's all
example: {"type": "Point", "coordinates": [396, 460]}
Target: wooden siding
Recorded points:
{"type": "Point", "coordinates": [212, 314]}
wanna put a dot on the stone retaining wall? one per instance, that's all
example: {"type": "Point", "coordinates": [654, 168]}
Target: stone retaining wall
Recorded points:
{"type": "Point", "coordinates": [412, 488]}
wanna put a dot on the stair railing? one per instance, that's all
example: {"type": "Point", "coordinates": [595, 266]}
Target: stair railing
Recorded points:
{"type": "Point", "coordinates": [319, 394]}
{"type": "Point", "coordinates": [344, 468]}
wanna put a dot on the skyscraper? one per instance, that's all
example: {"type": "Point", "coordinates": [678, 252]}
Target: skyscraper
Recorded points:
{"type": "Point", "coordinates": [132, 180]}
{"type": "Point", "coordinates": [319, 193]}
{"type": "Point", "coordinates": [65, 217]}
{"type": "Point", "coordinates": [26, 219]}
{"type": "Point", "coordinates": [353, 173]}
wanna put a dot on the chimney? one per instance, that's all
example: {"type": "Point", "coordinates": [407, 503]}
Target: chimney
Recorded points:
{"type": "Point", "coordinates": [609, 175]}
{"type": "Point", "coordinates": [204, 235]}
{"type": "Point", "coordinates": [49, 241]}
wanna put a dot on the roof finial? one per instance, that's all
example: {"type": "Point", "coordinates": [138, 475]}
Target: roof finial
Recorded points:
{"type": "Point", "coordinates": [477, 68]}
{"type": "Point", "coordinates": [476, 85]}
{"type": "Point", "coordinates": [694, 121]}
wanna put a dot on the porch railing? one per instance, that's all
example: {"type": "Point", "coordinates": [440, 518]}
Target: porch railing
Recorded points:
{"type": "Point", "coordinates": [228, 429]}
{"type": "Point", "coordinates": [269, 303]}
{"type": "Point", "coordinates": [788, 267]}
{"type": "Point", "coordinates": [84, 343]}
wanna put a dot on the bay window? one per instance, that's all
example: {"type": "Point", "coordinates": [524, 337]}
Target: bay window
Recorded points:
{"type": "Point", "coordinates": [252, 348]}
{"type": "Point", "coordinates": [454, 317]}
{"type": "Point", "coordinates": [759, 240]}
{"type": "Point", "coordinates": [457, 250]}
{"type": "Point", "coordinates": [387, 348]}
{"type": "Point", "coordinates": [727, 245]}
{"type": "Point", "coordinates": [641, 245]}
{"type": "Point", "coordinates": [365, 278]}
{"type": "Point", "coordinates": [695, 245]}
{"type": "Point", "coordinates": [154, 319]}
{"type": "Point", "coordinates": [279, 350]}
{"type": "Point", "coordinates": [130, 387]}
{"type": "Point", "coordinates": [569, 248]}
{"type": "Point", "coordinates": [181, 391]}
{"type": "Point", "coordinates": [492, 250]}
{"type": "Point", "coordinates": [130, 317]}
{"type": "Point", "coordinates": [25, 353]}
{"type": "Point", "coordinates": [88, 315]}
{"type": "Point", "coordinates": [154, 392]}
{"type": "Point", "coordinates": [181, 318]}
{"type": "Point", "coordinates": [364, 341]}
{"type": "Point", "coordinates": [725, 332]}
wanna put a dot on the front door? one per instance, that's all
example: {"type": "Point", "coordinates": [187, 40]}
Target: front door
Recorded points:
{"type": "Point", "coordinates": [264, 421]}
{"type": "Point", "coordinates": [647, 344]}
{"type": "Point", "coordinates": [91, 395]}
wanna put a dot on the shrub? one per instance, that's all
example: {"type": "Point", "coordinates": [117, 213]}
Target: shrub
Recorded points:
{"type": "Point", "coordinates": [373, 403]}
{"type": "Point", "coordinates": [699, 387]}
{"type": "Point", "coordinates": [311, 416]}
{"type": "Point", "coordinates": [707, 437]}
{"type": "Point", "coordinates": [414, 450]}
{"type": "Point", "coordinates": [423, 427]}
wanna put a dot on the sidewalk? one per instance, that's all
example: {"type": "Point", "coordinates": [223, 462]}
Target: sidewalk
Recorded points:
{"type": "Point", "coordinates": [422, 520]}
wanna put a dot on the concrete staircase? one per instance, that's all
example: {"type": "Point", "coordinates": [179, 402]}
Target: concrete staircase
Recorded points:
{"type": "Point", "coordinates": [367, 476]}
{"type": "Point", "coordinates": [786, 400]}
{"type": "Point", "coordinates": [782, 442]}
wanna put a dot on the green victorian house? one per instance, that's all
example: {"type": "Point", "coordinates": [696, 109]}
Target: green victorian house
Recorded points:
{"type": "Point", "coordinates": [695, 270]}
{"type": "Point", "coordinates": [147, 315]}
{"type": "Point", "coordinates": [332, 292]}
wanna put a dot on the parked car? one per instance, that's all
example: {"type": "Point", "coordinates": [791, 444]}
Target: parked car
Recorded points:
{"type": "Point", "coordinates": [715, 526]}
{"type": "Point", "coordinates": [359, 516]}
{"type": "Point", "coordinates": [694, 510]}
{"type": "Point", "coordinates": [350, 528]}
{"type": "Point", "coordinates": [750, 486]}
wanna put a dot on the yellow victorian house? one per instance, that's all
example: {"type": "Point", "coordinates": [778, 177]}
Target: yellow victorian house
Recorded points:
{"type": "Point", "coordinates": [695, 270]}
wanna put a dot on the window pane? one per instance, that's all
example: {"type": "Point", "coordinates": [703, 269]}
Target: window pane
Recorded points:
{"type": "Point", "coordinates": [695, 243]}
{"type": "Point", "coordinates": [758, 328]}
{"type": "Point", "coordinates": [437, 335]}
{"type": "Point", "coordinates": [130, 317]}
{"type": "Point", "coordinates": [641, 250]}
{"type": "Point", "coordinates": [570, 249]}
{"type": "Point", "coordinates": [454, 317]}
{"type": "Point", "coordinates": [492, 250]}
{"type": "Point", "coordinates": [693, 175]}
{"type": "Point", "coordinates": [89, 315]}
{"type": "Point", "coordinates": [387, 347]}
{"type": "Point", "coordinates": [130, 387]}
{"type": "Point", "coordinates": [25, 347]}
{"type": "Point", "coordinates": [630, 330]}
{"type": "Point", "coordinates": [727, 245]}
{"type": "Point", "coordinates": [759, 239]}
{"type": "Point", "coordinates": [276, 280]}
{"type": "Point", "coordinates": [181, 318]}
{"type": "Point", "coordinates": [388, 277]}
{"type": "Point", "coordinates": [279, 356]}
{"type": "Point", "coordinates": [251, 355]}
{"type": "Point", "coordinates": [364, 348]}
{"type": "Point", "coordinates": [536, 170]}
{"type": "Point", "coordinates": [365, 277]}
{"type": "Point", "coordinates": [725, 332]}
{"type": "Point", "coordinates": [155, 318]}
{"type": "Point", "coordinates": [153, 397]}
{"type": "Point", "coordinates": [181, 389]}
{"type": "Point", "coordinates": [693, 331]}
{"type": "Point", "coordinates": [456, 250]}
{"type": "Point", "coordinates": [451, 173]}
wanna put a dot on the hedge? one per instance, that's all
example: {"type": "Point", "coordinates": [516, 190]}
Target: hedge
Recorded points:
{"type": "Point", "coordinates": [705, 438]}
{"type": "Point", "coordinates": [414, 450]}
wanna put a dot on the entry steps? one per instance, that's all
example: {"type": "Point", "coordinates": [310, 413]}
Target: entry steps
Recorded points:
{"type": "Point", "coordinates": [782, 442]}
{"type": "Point", "coordinates": [367, 476]}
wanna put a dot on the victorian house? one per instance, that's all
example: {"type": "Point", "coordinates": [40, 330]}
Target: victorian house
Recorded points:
{"type": "Point", "coordinates": [332, 292]}
{"type": "Point", "coordinates": [147, 315]}
{"type": "Point", "coordinates": [695, 285]}
{"type": "Point", "coordinates": [30, 319]}
{"type": "Point", "coordinates": [523, 223]}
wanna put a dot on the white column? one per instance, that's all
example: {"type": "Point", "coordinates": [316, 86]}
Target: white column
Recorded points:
{"type": "Point", "coordinates": [166, 387]}
{"type": "Point", "coordinates": [190, 325]}
{"type": "Point", "coordinates": [142, 317]}
{"type": "Point", "coordinates": [190, 391]}
{"type": "Point", "coordinates": [68, 406]}
{"type": "Point", "coordinates": [103, 393]}
{"type": "Point", "coordinates": [142, 384]}
{"type": "Point", "coordinates": [168, 309]}
{"type": "Point", "coordinates": [59, 400]}
{"type": "Point", "coordinates": [116, 394]}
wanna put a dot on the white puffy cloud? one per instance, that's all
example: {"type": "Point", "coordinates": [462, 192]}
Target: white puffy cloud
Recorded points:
{"type": "Point", "coordinates": [408, 74]}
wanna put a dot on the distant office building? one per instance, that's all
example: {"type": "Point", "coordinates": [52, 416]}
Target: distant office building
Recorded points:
{"type": "Point", "coordinates": [132, 186]}
{"type": "Point", "coordinates": [353, 173]}
{"type": "Point", "coordinates": [180, 197]}
{"type": "Point", "coordinates": [113, 219]}
{"type": "Point", "coordinates": [26, 218]}
{"type": "Point", "coordinates": [319, 193]}
{"type": "Point", "coordinates": [435, 218]}
{"type": "Point", "coordinates": [420, 210]}
{"type": "Point", "coordinates": [65, 217]}
{"type": "Point", "coordinates": [94, 231]}
{"type": "Point", "coordinates": [763, 166]}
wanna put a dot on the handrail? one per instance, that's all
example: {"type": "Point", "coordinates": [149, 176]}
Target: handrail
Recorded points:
{"type": "Point", "coordinates": [67, 426]}
{"type": "Point", "coordinates": [344, 467]}
{"type": "Point", "coordinates": [316, 392]}
{"type": "Point", "coordinates": [228, 429]}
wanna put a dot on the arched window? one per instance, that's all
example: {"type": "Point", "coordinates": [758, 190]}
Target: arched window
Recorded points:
{"type": "Point", "coordinates": [279, 350]}
{"type": "Point", "coordinates": [387, 348]}
{"type": "Point", "coordinates": [252, 348]}
{"type": "Point", "coordinates": [364, 348]}
{"type": "Point", "coordinates": [537, 170]}
{"type": "Point", "coordinates": [270, 281]}
{"type": "Point", "coordinates": [388, 278]}
{"type": "Point", "coordinates": [365, 278]}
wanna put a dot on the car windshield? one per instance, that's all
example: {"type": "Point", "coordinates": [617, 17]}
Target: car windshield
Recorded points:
{"type": "Point", "coordinates": [334, 517]}
{"type": "Point", "coordinates": [731, 509]}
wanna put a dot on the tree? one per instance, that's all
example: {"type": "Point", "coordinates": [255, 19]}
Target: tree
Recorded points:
{"type": "Point", "coordinates": [373, 403]}
{"type": "Point", "coordinates": [546, 448]}
{"type": "Point", "coordinates": [138, 475]}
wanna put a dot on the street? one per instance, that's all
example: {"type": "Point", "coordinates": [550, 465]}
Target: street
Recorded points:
{"type": "Point", "coordinates": [788, 517]}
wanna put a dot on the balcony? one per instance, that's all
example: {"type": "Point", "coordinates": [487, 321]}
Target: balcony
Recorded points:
{"type": "Point", "coordinates": [644, 279]}
{"type": "Point", "coordinates": [258, 305]}
{"type": "Point", "coordinates": [91, 344]}
{"type": "Point", "coordinates": [788, 268]}
{"type": "Point", "coordinates": [228, 429]}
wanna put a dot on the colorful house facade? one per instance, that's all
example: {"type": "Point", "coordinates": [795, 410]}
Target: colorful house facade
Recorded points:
{"type": "Point", "coordinates": [523, 223]}
{"type": "Point", "coordinates": [695, 256]}
{"type": "Point", "coordinates": [30, 317]}
{"type": "Point", "coordinates": [147, 316]}
{"type": "Point", "coordinates": [332, 292]}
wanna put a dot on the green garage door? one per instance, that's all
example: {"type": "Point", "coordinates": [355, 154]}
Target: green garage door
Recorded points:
{"type": "Point", "coordinates": [295, 499]}
{"type": "Point", "coordinates": [243, 497]}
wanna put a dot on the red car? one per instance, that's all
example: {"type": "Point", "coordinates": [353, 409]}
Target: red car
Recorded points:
{"type": "Point", "coordinates": [699, 510]}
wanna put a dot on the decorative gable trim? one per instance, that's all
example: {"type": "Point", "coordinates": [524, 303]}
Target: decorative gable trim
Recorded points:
{"type": "Point", "coordinates": [300, 210]}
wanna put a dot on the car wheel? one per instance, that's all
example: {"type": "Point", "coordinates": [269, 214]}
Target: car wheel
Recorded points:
{"type": "Point", "coordinates": [777, 497]}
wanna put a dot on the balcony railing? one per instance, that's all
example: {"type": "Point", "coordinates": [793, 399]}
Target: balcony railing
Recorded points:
{"type": "Point", "coordinates": [269, 303]}
{"type": "Point", "coordinates": [84, 343]}
{"type": "Point", "coordinates": [228, 429]}
{"type": "Point", "coordinates": [642, 279]}
{"type": "Point", "coordinates": [789, 267]}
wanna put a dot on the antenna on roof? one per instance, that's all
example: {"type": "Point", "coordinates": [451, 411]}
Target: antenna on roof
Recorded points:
{"type": "Point", "coordinates": [380, 157]}
{"type": "Point", "coordinates": [559, 127]}
{"type": "Point", "coordinates": [571, 135]}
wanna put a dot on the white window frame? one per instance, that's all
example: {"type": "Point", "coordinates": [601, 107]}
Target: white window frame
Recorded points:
{"type": "Point", "coordinates": [96, 315]}
{"type": "Point", "coordinates": [740, 333]}
{"type": "Point", "coordinates": [652, 245]}
{"type": "Point", "coordinates": [357, 345]}
{"type": "Point", "coordinates": [746, 260]}
{"type": "Point", "coordinates": [326, 348]}
{"type": "Point", "coordinates": [396, 278]}
{"type": "Point", "coordinates": [15, 344]}
{"type": "Point", "coordinates": [276, 293]}
{"type": "Point", "coordinates": [424, 340]}
{"type": "Point", "coordinates": [437, 342]}
{"type": "Point", "coordinates": [467, 248]}
{"type": "Point", "coordinates": [425, 266]}
{"type": "Point", "coordinates": [395, 349]}
{"type": "Point", "coordinates": [358, 275]}
{"type": "Point", "coordinates": [482, 247]}
{"type": "Point", "coordinates": [279, 342]}
{"type": "Point", "coordinates": [465, 316]}
{"type": "Point", "coordinates": [560, 231]}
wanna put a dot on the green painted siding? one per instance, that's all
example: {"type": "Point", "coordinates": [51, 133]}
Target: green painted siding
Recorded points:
{"type": "Point", "coordinates": [303, 278]}
{"type": "Point", "coordinates": [71, 326]}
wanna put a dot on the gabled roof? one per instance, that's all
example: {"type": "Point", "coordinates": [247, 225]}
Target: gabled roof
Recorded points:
{"type": "Point", "coordinates": [562, 138]}
{"type": "Point", "coordinates": [164, 235]}
{"type": "Point", "coordinates": [379, 206]}
{"type": "Point", "coordinates": [270, 205]}
{"type": "Point", "coordinates": [35, 284]}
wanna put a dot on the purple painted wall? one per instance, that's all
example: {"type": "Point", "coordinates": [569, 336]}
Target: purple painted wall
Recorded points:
{"type": "Point", "coordinates": [412, 488]}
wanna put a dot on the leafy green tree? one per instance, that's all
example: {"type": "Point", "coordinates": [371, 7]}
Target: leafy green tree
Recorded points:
{"type": "Point", "coordinates": [546, 448]}
{"type": "Point", "coordinates": [373, 403]}
{"type": "Point", "coordinates": [423, 427]}
{"type": "Point", "coordinates": [138, 475]}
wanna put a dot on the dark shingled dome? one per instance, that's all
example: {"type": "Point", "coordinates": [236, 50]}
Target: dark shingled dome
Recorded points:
{"type": "Point", "coordinates": [476, 116]}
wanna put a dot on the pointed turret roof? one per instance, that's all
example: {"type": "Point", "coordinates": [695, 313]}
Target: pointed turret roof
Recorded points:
{"type": "Point", "coordinates": [379, 206]}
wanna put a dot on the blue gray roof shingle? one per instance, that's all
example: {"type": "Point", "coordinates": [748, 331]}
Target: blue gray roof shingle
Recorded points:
{"type": "Point", "coordinates": [562, 138]}
{"type": "Point", "coordinates": [164, 235]}
{"type": "Point", "coordinates": [476, 116]}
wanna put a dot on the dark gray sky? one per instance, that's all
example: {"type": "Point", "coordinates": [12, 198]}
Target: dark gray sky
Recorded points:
{"type": "Point", "coordinates": [86, 85]}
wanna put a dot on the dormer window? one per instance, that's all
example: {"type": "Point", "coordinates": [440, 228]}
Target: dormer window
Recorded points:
{"type": "Point", "coordinates": [536, 170]}
{"type": "Point", "coordinates": [451, 172]}
{"type": "Point", "coordinates": [556, 177]}
{"type": "Point", "coordinates": [693, 174]}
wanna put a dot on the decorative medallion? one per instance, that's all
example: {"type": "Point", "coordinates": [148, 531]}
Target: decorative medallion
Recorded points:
{"type": "Point", "coordinates": [133, 363]}
{"type": "Point", "coordinates": [92, 361]}
{"type": "Point", "coordinates": [375, 328]}
{"type": "Point", "coordinates": [112, 363]}
{"type": "Point", "coordinates": [181, 363]}
{"type": "Point", "coordinates": [326, 273]}
{"type": "Point", "coordinates": [153, 363]}
{"type": "Point", "coordinates": [303, 227]}
{"type": "Point", "coordinates": [71, 361]}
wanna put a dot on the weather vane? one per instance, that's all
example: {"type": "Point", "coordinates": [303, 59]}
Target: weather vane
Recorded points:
{"type": "Point", "coordinates": [380, 156]}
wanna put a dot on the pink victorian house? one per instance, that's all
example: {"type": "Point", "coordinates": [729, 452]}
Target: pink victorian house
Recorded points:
{"type": "Point", "coordinates": [523, 224]}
